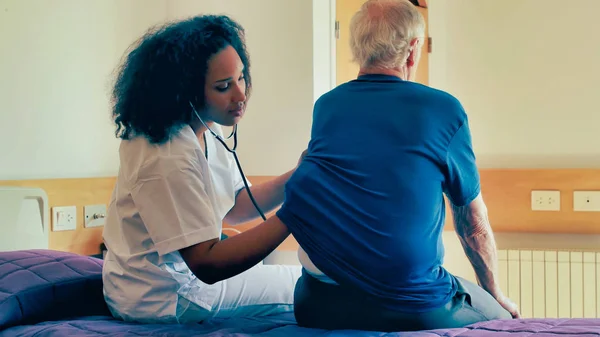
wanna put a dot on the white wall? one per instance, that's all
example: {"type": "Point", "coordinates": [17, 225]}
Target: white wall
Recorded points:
{"type": "Point", "coordinates": [55, 78]}
{"type": "Point", "coordinates": [527, 73]}
{"type": "Point", "coordinates": [56, 73]}
{"type": "Point", "coordinates": [276, 127]}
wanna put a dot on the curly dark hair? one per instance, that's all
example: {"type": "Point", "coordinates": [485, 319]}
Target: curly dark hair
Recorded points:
{"type": "Point", "coordinates": [166, 70]}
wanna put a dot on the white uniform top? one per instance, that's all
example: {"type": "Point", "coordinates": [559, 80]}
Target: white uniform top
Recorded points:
{"type": "Point", "coordinates": [167, 197]}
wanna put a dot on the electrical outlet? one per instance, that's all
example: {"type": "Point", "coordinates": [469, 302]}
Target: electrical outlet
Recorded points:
{"type": "Point", "coordinates": [586, 201]}
{"type": "Point", "coordinates": [545, 200]}
{"type": "Point", "coordinates": [94, 215]}
{"type": "Point", "coordinates": [64, 218]}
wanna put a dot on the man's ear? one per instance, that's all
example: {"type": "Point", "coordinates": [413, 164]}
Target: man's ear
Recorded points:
{"type": "Point", "coordinates": [412, 52]}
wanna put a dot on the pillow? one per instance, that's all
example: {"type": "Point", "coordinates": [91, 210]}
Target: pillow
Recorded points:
{"type": "Point", "coordinates": [40, 285]}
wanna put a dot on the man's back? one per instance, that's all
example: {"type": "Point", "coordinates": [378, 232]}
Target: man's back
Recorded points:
{"type": "Point", "coordinates": [366, 204]}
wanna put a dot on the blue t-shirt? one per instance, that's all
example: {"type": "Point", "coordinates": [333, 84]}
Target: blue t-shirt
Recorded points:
{"type": "Point", "coordinates": [366, 203]}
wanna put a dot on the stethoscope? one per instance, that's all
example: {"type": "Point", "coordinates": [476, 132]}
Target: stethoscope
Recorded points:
{"type": "Point", "coordinates": [233, 151]}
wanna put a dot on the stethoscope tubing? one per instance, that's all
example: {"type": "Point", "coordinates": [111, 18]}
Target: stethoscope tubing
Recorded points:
{"type": "Point", "coordinates": [234, 152]}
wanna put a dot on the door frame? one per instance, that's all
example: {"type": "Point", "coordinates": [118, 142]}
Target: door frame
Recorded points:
{"type": "Point", "coordinates": [332, 41]}
{"type": "Point", "coordinates": [323, 47]}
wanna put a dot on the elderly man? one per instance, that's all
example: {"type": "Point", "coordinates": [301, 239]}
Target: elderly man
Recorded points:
{"type": "Point", "coordinates": [383, 152]}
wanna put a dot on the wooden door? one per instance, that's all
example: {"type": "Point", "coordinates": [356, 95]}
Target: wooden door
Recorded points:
{"type": "Point", "coordinates": [346, 70]}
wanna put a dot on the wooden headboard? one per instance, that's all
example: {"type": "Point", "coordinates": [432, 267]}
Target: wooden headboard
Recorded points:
{"type": "Point", "coordinates": [506, 192]}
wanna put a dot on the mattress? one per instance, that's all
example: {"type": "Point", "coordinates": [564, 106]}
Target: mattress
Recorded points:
{"type": "Point", "coordinates": [47, 293]}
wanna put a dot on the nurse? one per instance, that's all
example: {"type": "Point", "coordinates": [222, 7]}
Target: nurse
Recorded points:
{"type": "Point", "coordinates": [176, 185]}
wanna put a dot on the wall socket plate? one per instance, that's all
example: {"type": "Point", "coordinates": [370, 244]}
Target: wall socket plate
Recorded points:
{"type": "Point", "coordinates": [64, 218]}
{"type": "Point", "coordinates": [586, 201]}
{"type": "Point", "coordinates": [94, 215]}
{"type": "Point", "coordinates": [545, 200]}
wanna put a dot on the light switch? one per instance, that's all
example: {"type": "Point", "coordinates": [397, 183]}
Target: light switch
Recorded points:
{"type": "Point", "coordinates": [586, 201]}
{"type": "Point", "coordinates": [94, 215]}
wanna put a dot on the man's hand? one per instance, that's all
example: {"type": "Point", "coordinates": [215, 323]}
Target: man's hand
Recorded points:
{"type": "Point", "coordinates": [509, 305]}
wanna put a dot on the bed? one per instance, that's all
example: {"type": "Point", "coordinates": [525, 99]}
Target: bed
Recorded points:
{"type": "Point", "coordinates": [45, 292]}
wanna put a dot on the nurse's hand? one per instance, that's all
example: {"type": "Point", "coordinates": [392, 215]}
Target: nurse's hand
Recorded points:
{"type": "Point", "coordinates": [302, 157]}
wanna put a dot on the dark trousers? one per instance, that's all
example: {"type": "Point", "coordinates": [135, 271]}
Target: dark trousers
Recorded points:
{"type": "Point", "coordinates": [327, 306]}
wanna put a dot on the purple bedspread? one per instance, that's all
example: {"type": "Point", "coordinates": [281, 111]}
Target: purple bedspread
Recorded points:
{"type": "Point", "coordinates": [47, 293]}
{"type": "Point", "coordinates": [41, 285]}
{"type": "Point", "coordinates": [284, 326]}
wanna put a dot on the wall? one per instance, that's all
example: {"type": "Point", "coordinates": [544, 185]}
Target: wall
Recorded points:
{"type": "Point", "coordinates": [55, 79]}
{"type": "Point", "coordinates": [275, 129]}
{"type": "Point", "coordinates": [526, 73]}
{"type": "Point", "coordinates": [56, 76]}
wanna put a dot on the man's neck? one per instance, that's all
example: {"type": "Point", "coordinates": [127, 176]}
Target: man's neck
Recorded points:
{"type": "Point", "coordinates": [400, 72]}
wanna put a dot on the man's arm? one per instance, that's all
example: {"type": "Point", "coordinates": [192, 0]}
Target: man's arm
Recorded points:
{"type": "Point", "coordinates": [475, 233]}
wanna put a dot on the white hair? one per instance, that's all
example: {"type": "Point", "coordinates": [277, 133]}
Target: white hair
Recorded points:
{"type": "Point", "coordinates": [382, 30]}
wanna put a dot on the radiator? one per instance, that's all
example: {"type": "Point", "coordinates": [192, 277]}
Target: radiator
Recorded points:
{"type": "Point", "coordinates": [552, 283]}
